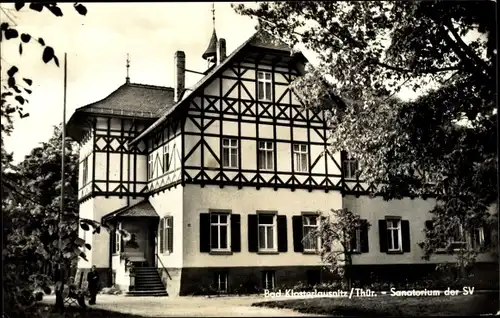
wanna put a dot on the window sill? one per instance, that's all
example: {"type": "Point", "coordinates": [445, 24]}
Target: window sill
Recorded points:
{"type": "Point", "coordinates": [221, 253]}
{"type": "Point", "coordinates": [166, 253]}
{"type": "Point", "coordinates": [311, 252]}
{"type": "Point", "coordinates": [268, 252]}
{"type": "Point", "coordinates": [394, 252]}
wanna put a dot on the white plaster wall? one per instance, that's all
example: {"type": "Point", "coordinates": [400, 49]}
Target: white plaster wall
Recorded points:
{"type": "Point", "coordinates": [86, 210]}
{"type": "Point", "coordinates": [247, 201]}
{"type": "Point", "coordinates": [415, 211]}
{"type": "Point", "coordinates": [170, 203]}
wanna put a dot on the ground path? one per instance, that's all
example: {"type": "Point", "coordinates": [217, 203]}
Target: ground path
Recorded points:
{"type": "Point", "coordinates": [187, 306]}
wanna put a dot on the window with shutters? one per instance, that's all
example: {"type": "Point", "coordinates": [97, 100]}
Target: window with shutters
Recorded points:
{"type": "Point", "coordinates": [230, 153]}
{"type": "Point", "coordinates": [269, 279]}
{"type": "Point", "coordinates": [394, 235]}
{"type": "Point", "coordinates": [472, 239]}
{"type": "Point", "coordinates": [266, 155]}
{"type": "Point", "coordinates": [264, 82]}
{"type": "Point", "coordinates": [267, 230]}
{"type": "Point", "coordinates": [309, 225]}
{"type": "Point", "coordinates": [166, 233]}
{"type": "Point", "coordinates": [300, 154]}
{"type": "Point", "coordinates": [166, 159]}
{"type": "Point", "coordinates": [354, 245]}
{"type": "Point", "coordinates": [221, 282]}
{"type": "Point", "coordinates": [220, 232]}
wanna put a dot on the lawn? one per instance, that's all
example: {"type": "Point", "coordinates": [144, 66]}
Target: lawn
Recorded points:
{"type": "Point", "coordinates": [392, 306]}
{"type": "Point", "coordinates": [74, 311]}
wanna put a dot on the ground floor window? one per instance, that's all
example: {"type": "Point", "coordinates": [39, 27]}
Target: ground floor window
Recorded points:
{"type": "Point", "coordinates": [269, 279]}
{"type": "Point", "coordinates": [221, 282]}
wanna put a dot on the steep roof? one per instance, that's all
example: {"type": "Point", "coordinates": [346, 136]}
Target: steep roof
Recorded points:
{"type": "Point", "coordinates": [258, 39]}
{"type": "Point", "coordinates": [130, 99]}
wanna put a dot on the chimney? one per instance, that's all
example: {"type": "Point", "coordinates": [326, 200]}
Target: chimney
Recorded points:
{"type": "Point", "coordinates": [180, 74]}
{"type": "Point", "coordinates": [221, 51]}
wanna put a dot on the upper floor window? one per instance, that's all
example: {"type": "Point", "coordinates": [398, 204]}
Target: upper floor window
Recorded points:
{"type": "Point", "coordinates": [166, 159]}
{"type": "Point", "coordinates": [266, 155]}
{"type": "Point", "coordinates": [300, 157]}
{"type": "Point", "coordinates": [394, 235]}
{"type": "Point", "coordinates": [264, 86]}
{"type": "Point", "coordinates": [150, 167]}
{"type": "Point", "coordinates": [310, 224]}
{"type": "Point", "coordinates": [229, 153]}
{"type": "Point", "coordinates": [350, 167]}
{"type": "Point", "coordinates": [268, 238]}
{"type": "Point", "coordinates": [476, 238]}
{"type": "Point", "coordinates": [85, 170]}
{"type": "Point", "coordinates": [219, 232]}
{"type": "Point", "coordinates": [355, 242]}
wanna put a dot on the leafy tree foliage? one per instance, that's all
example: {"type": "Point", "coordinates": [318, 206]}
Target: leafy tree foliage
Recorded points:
{"type": "Point", "coordinates": [443, 143]}
{"type": "Point", "coordinates": [337, 231]}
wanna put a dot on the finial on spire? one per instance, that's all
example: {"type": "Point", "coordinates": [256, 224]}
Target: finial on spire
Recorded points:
{"type": "Point", "coordinates": [128, 66]}
{"type": "Point", "coordinates": [213, 13]}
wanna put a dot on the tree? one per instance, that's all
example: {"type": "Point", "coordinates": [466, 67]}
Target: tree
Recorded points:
{"type": "Point", "coordinates": [337, 234]}
{"type": "Point", "coordinates": [442, 143]}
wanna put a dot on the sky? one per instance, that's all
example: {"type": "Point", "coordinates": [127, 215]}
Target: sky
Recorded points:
{"type": "Point", "coordinates": [97, 45]}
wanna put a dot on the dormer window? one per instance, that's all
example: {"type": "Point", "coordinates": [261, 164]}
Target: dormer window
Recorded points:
{"type": "Point", "coordinates": [264, 86]}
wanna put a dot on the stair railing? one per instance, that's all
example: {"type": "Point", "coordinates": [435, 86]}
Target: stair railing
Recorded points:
{"type": "Point", "coordinates": [163, 267]}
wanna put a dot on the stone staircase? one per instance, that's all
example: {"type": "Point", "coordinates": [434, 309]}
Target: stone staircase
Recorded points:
{"type": "Point", "coordinates": [147, 283]}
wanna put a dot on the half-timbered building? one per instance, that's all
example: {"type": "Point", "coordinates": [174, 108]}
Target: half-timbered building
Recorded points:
{"type": "Point", "coordinates": [219, 183]}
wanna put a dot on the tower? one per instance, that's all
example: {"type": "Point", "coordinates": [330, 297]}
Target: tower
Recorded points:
{"type": "Point", "coordinates": [211, 52]}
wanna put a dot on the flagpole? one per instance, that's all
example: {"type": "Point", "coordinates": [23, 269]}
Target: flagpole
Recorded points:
{"type": "Point", "coordinates": [63, 155]}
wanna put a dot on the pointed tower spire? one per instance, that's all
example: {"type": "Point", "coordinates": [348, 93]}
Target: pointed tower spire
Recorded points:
{"type": "Point", "coordinates": [211, 51]}
{"type": "Point", "coordinates": [127, 79]}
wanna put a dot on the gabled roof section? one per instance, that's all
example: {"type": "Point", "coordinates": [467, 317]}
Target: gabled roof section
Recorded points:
{"type": "Point", "coordinates": [130, 99]}
{"type": "Point", "coordinates": [258, 39]}
{"type": "Point", "coordinates": [141, 209]}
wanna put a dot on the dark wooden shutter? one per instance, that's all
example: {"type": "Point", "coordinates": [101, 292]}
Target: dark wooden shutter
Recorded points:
{"type": "Point", "coordinates": [235, 233]}
{"type": "Point", "coordinates": [364, 237]}
{"type": "Point", "coordinates": [162, 230]}
{"type": "Point", "coordinates": [297, 233]}
{"type": "Point", "coordinates": [113, 242]}
{"type": "Point", "coordinates": [429, 225]}
{"type": "Point", "coordinates": [405, 228]}
{"type": "Point", "coordinates": [487, 235]}
{"type": "Point", "coordinates": [352, 242]}
{"type": "Point", "coordinates": [204, 232]}
{"type": "Point", "coordinates": [170, 238]}
{"type": "Point", "coordinates": [253, 228]}
{"type": "Point", "coordinates": [282, 234]}
{"type": "Point", "coordinates": [382, 232]}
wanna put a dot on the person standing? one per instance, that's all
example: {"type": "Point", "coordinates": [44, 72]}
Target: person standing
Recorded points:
{"type": "Point", "coordinates": [93, 280]}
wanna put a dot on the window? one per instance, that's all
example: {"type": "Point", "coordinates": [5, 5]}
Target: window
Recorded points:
{"type": "Point", "coordinates": [229, 153]}
{"type": "Point", "coordinates": [267, 232]}
{"type": "Point", "coordinates": [85, 170]}
{"type": "Point", "coordinates": [221, 282]}
{"type": "Point", "coordinates": [166, 234]}
{"type": "Point", "coordinates": [355, 242]}
{"type": "Point", "coordinates": [269, 279]}
{"type": "Point", "coordinates": [350, 167]}
{"type": "Point", "coordinates": [310, 223]}
{"type": "Point", "coordinates": [264, 86]}
{"type": "Point", "coordinates": [150, 167]}
{"type": "Point", "coordinates": [266, 155]}
{"type": "Point", "coordinates": [300, 158]}
{"type": "Point", "coordinates": [458, 239]}
{"type": "Point", "coordinates": [118, 239]}
{"type": "Point", "coordinates": [393, 235]}
{"type": "Point", "coordinates": [219, 232]}
{"type": "Point", "coordinates": [166, 159]}
{"type": "Point", "coordinates": [476, 238]}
